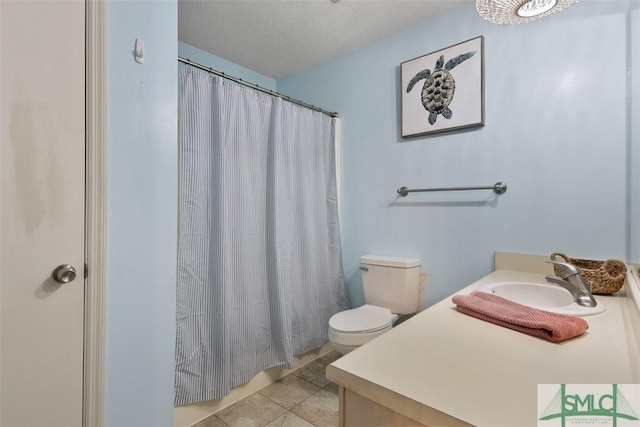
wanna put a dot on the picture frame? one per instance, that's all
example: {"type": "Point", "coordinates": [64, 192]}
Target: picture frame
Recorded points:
{"type": "Point", "coordinates": [444, 90]}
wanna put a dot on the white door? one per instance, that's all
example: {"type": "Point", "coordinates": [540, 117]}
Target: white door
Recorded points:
{"type": "Point", "coordinates": [42, 184]}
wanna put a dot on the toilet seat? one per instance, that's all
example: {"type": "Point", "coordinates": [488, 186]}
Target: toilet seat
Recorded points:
{"type": "Point", "coordinates": [367, 318]}
{"type": "Point", "coordinates": [360, 325]}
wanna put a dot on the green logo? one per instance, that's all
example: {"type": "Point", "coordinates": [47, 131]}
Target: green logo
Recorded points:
{"type": "Point", "coordinates": [592, 408]}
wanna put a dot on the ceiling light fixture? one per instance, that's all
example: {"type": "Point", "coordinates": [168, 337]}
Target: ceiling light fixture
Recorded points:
{"type": "Point", "coordinates": [519, 11]}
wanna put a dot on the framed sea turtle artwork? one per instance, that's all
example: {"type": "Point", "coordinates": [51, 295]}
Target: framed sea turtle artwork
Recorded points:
{"type": "Point", "coordinates": [444, 90]}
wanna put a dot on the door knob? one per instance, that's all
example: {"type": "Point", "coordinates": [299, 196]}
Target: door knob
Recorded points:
{"type": "Point", "coordinates": [64, 273]}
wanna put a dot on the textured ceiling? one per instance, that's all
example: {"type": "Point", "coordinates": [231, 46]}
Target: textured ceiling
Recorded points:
{"type": "Point", "coordinates": [280, 37]}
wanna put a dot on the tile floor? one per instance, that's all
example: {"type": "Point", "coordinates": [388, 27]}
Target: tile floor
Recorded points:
{"type": "Point", "coordinates": [303, 398]}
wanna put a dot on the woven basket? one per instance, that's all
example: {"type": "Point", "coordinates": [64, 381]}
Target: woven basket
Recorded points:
{"type": "Point", "coordinates": [605, 277]}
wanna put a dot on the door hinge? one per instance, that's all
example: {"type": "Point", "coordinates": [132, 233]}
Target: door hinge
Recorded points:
{"type": "Point", "coordinates": [86, 270]}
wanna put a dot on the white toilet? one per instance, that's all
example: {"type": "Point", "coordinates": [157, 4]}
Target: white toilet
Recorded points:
{"type": "Point", "coordinates": [391, 287]}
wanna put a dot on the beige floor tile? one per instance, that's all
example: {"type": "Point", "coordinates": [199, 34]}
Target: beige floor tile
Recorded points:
{"type": "Point", "coordinates": [289, 391]}
{"type": "Point", "coordinates": [321, 409]}
{"type": "Point", "coordinates": [332, 387]}
{"type": "Point", "coordinates": [211, 421]}
{"type": "Point", "coordinates": [289, 420]}
{"type": "Point", "coordinates": [330, 357]}
{"type": "Point", "coordinates": [254, 410]}
{"type": "Point", "coordinates": [314, 372]}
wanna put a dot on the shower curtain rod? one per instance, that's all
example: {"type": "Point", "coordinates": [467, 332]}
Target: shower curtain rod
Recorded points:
{"type": "Point", "coordinates": [253, 86]}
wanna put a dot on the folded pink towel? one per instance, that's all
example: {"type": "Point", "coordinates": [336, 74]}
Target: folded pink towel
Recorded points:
{"type": "Point", "coordinates": [553, 327]}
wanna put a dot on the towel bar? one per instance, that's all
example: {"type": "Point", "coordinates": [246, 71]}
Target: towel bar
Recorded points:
{"type": "Point", "coordinates": [498, 188]}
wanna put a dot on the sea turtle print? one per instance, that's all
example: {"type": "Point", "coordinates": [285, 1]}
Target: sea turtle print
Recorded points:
{"type": "Point", "coordinates": [439, 86]}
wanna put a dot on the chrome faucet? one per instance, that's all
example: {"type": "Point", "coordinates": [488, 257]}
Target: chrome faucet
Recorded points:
{"type": "Point", "coordinates": [574, 283]}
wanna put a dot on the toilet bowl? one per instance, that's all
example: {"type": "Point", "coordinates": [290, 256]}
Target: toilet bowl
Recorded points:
{"type": "Point", "coordinates": [350, 329]}
{"type": "Point", "coordinates": [391, 287]}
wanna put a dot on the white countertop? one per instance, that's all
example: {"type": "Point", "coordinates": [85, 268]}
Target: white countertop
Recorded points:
{"type": "Point", "coordinates": [442, 367]}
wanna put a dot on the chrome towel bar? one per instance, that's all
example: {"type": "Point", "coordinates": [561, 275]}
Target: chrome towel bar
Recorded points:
{"type": "Point", "coordinates": [498, 188]}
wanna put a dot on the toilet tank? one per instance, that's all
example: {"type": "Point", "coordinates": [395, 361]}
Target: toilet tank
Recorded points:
{"type": "Point", "coordinates": [391, 282]}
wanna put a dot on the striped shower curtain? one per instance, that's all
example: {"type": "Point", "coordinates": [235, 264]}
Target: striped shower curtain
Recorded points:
{"type": "Point", "coordinates": [259, 261]}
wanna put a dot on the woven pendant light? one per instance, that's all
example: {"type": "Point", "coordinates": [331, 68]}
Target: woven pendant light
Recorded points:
{"type": "Point", "coordinates": [519, 11]}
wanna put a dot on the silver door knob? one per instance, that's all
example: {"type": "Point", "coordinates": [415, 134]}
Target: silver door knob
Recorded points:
{"type": "Point", "coordinates": [64, 273]}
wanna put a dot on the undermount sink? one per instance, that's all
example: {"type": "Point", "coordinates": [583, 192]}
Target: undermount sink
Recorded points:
{"type": "Point", "coordinates": [542, 296]}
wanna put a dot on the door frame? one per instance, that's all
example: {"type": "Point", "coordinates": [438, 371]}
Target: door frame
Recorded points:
{"type": "Point", "coordinates": [95, 212]}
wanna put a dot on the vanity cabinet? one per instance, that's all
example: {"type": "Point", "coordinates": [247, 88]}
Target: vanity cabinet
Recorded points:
{"type": "Point", "coordinates": [443, 368]}
{"type": "Point", "coordinates": [357, 411]}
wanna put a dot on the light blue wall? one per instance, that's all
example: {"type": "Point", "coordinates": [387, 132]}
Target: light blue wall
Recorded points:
{"type": "Point", "coordinates": [142, 194]}
{"type": "Point", "coordinates": [634, 147]}
{"type": "Point", "coordinates": [556, 133]}
{"type": "Point", "coordinates": [204, 58]}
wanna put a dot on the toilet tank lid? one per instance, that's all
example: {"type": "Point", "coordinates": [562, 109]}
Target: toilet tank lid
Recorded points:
{"type": "Point", "coordinates": [390, 261]}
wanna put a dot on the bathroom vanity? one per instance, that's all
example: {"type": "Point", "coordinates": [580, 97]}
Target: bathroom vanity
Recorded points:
{"type": "Point", "coordinates": [444, 368]}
